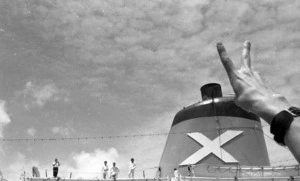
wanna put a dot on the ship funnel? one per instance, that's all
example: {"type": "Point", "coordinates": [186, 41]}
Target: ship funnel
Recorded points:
{"type": "Point", "coordinates": [213, 133]}
{"type": "Point", "coordinates": [211, 90]}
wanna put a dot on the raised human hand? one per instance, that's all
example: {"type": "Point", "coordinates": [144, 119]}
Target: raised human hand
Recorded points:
{"type": "Point", "coordinates": [251, 92]}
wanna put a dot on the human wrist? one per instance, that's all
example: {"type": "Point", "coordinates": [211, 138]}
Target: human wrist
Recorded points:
{"type": "Point", "coordinates": [269, 112]}
{"type": "Point", "coordinates": [269, 108]}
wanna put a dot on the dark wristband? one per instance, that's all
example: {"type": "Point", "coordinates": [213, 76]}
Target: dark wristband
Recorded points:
{"type": "Point", "coordinates": [281, 123]}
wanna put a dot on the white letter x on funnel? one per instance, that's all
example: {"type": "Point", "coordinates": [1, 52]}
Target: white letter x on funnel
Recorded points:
{"type": "Point", "coordinates": [211, 147]}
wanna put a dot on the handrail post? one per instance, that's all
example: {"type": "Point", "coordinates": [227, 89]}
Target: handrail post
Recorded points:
{"type": "Point", "coordinates": [235, 178]}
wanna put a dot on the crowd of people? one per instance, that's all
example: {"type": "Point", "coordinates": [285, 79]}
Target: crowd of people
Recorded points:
{"type": "Point", "coordinates": [114, 170]}
{"type": "Point", "coordinates": [107, 172]}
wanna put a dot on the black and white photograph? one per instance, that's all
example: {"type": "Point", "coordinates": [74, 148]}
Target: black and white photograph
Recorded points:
{"type": "Point", "coordinates": [149, 90]}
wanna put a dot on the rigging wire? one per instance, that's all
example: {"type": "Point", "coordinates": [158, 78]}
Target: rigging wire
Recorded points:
{"type": "Point", "coordinates": [217, 121]}
{"type": "Point", "coordinates": [114, 136]}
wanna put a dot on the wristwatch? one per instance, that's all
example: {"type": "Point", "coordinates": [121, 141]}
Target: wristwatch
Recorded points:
{"type": "Point", "coordinates": [281, 123]}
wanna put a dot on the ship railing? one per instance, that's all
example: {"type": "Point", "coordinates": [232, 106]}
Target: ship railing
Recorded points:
{"type": "Point", "coordinates": [210, 172]}
{"type": "Point", "coordinates": [296, 178]}
{"type": "Point", "coordinates": [205, 170]}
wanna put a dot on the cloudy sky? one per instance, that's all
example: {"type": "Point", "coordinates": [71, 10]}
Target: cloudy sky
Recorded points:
{"type": "Point", "coordinates": [92, 68]}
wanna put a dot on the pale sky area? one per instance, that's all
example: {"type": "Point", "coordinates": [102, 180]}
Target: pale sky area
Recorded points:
{"type": "Point", "coordinates": [92, 68]}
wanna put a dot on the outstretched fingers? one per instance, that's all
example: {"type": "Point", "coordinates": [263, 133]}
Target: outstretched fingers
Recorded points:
{"type": "Point", "coordinates": [227, 63]}
{"type": "Point", "coordinates": [246, 60]}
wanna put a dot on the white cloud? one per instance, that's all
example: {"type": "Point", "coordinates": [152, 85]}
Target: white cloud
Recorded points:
{"type": "Point", "coordinates": [62, 131]}
{"type": "Point", "coordinates": [41, 94]}
{"type": "Point", "coordinates": [31, 131]}
{"type": "Point", "coordinates": [4, 117]}
{"type": "Point", "coordinates": [89, 164]}
{"type": "Point", "coordinates": [83, 164]}
{"type": "Point", "coordinates": [35, 95]}
{"type": "Point", "coordinates": [19, 164]}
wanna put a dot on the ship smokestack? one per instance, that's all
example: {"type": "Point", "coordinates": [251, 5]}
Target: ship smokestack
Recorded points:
{"type": "Point", "coordinates": [210, 134]}
{"type": "Point", "coordinates": [211, 90]}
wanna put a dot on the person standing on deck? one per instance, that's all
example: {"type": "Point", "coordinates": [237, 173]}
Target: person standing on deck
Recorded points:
{"type": "Point", "coordinates": [132, 167]}
{"type": "Point", "coordinates": [114, 171]}
{"type": "Point", "coordinates": [104, 170]}
{"type": "Point", "coordinates": [176, 174]}
{"type": "Point", "coordinates": [55, 164]}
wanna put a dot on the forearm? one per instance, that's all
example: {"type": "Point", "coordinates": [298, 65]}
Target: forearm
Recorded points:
{"type": "Point", "coordinates": [292, 136]}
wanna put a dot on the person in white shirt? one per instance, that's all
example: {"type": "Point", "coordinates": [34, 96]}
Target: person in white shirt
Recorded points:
{"type": "Point", "coordinates": [104, 170]}
{"type": "Point", "coordinates": [114, 171]}
{"type": "Point", "coordinates": [132, 167]}
{"type": "Point", "coordinates": [176, 174]}
{"type": "Point", "coordinates": [55, 164]}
